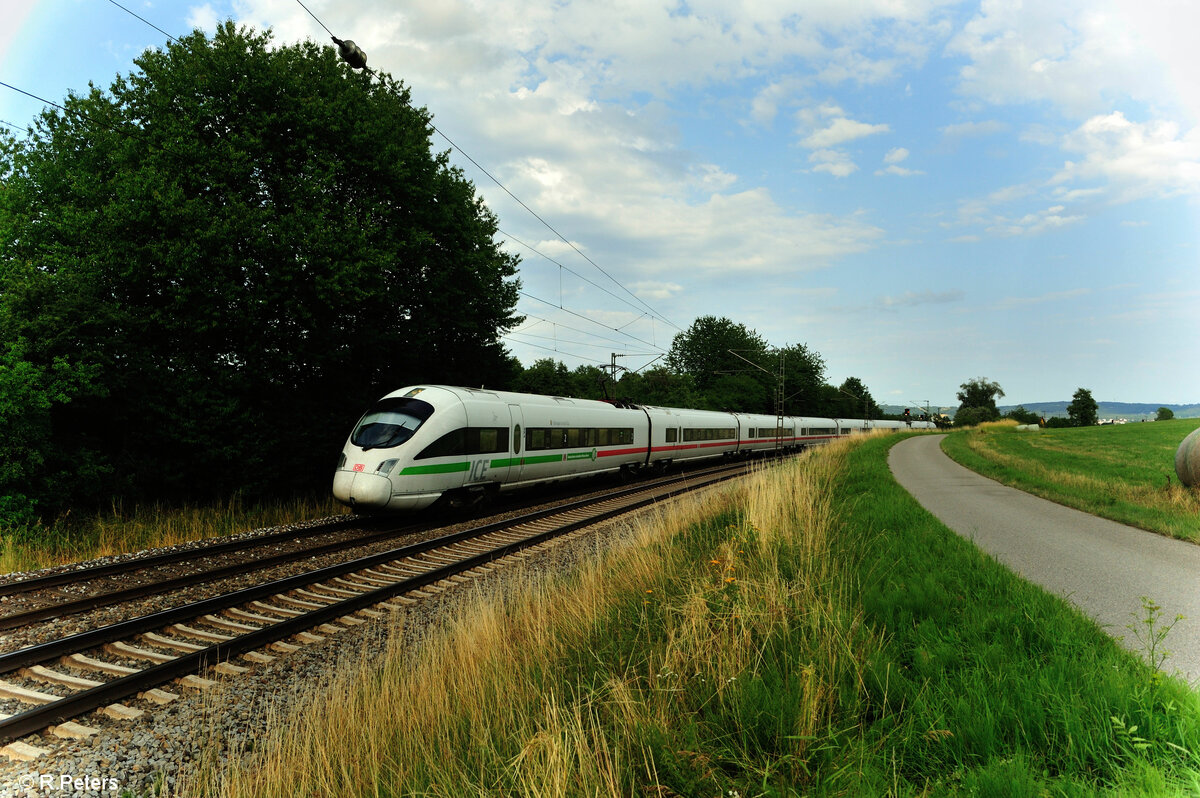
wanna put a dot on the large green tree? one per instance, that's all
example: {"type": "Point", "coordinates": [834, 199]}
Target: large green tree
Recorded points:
{"type": "Point", "coordinates": [733, 368]}
{"type": "Point", "coordinates": [1083, 411]}
{"type": "Point", "coordinates": [217, 262]}
{"type": "Point", "coordinates": [979, 394]}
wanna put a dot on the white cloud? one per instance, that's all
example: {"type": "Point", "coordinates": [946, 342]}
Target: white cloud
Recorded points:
{"type": "Point", "coordinates": [893, 158]}
{"type": "Point", "coordinates": [655, 291]}
{"type": "Point", "coordinates": [835, 162]}
{"type": "Point", "coordinates": [1133, 160]}
{"type": "Point", "coordinates": [1033, 223]}
{"type": "Point", "coordinates": [1081, 55]}
{"type": "Point", "coordinates": [204, 17]}
{"type": "Point", "coordinates": [839, 131]}
{"type": "Point", "coordinates": [898, 171]}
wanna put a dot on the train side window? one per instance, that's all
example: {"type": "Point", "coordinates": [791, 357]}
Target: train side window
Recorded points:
{"type": "Point", "coordinates": [672, 435]}
{"type": "Point", "coordinates": [487, 440]}
{"type": "Point", "coordinates": [449, 445]}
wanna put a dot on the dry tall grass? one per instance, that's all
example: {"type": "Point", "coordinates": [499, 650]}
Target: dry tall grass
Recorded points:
{"type": "Point", "coordinates": [475, 710]}
{"type": "Point", "coordinates": [120, 530]}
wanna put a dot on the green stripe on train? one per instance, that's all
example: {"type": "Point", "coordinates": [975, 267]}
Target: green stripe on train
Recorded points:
{"type": "Point", "coordinates": [452, 468]}
{"type": "Point", "coordinates": [443, 468]}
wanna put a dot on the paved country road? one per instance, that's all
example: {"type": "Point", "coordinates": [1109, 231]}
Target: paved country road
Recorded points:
{"type": "Point", "coordinates": [1100, 566]}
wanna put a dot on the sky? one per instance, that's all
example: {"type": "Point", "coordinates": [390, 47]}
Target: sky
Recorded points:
{"type": "Point", "coordinates": [921, 191]}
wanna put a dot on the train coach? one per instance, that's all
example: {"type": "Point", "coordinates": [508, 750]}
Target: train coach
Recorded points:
{"type": "Point", "coordinates": [425, 443]}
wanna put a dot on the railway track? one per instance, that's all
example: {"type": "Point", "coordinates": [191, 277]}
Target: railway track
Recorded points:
{"type": "Point", "coordinates": [136, 656]}
{"type": "Point", "coordinates": [97, 597]}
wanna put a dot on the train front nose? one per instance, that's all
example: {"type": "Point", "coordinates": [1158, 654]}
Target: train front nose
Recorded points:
{"type": "Point", "coordinates": [362, 489]}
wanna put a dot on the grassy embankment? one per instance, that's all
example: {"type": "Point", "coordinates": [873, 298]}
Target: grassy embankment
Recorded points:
{"type": "Point", "coordinates": [1122, 472]}
{"type": "Point", "coordinates": [811, 631]}
{"type": "Point", "coordinates": [73, 539]}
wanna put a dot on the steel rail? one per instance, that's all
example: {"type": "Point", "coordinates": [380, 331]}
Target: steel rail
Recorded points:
{"type": "Point", "coordinates": [93, 698]}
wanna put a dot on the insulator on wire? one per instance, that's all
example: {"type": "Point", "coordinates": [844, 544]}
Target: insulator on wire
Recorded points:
{"type": "Point", "coordinates": [351, 53]}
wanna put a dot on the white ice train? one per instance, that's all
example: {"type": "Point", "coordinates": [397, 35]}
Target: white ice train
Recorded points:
{"type": "Point", "coordinates": [422, 443]}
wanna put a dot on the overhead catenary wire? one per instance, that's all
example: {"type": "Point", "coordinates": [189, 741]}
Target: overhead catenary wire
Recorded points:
{"type": "Point", "coordinates": [660, 352]}
{"type": "Point", "coordinates": [143, 19]}
{"type": "Point", "coordinates": [541, 254]}
{"type": "Point", "coordinates": [541, 320]}
{"type": "Point", "coordinates": [555, 351]}
{"type": "Point", "coordinates": [585, 318]}
{"type": "Point", "coordinates": [559, 340]}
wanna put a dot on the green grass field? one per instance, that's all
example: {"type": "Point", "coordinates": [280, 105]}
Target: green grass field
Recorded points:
{"type": "Point", "coordinates": [1122, 472]}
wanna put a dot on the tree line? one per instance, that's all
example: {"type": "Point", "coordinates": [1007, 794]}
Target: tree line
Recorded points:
{"type": "Point", "coordinates": [715, 364]}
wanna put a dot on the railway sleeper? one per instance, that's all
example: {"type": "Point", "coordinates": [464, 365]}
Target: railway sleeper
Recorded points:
{"type": "Point", "coordinates": [122, 712]}
{"type": "Point", "coordinates": [229, 669]}
{"type": "Point", "coordinates": [43, 674]}
{"type": "Point", "coordinates": [310, 596]}
{"type": "Point", "coordinates": [226, 623]}
{"type": "Point", "coordinates": [282, 611]}
{"type": "Point", "coordinates": [243, 615]}
{"type": "Point", "coordinates": [87, 663]}
{"type": "Point", "coordinates": [299, 602]}
{"type": "Point", "coordinates": [337, 591]}
{"type": "Point", "coordinates": [25, 695]}
{"type": "Point", "coordinates": [120, 649]}
{"type": "Point", "coordinates": [73, 731]}
{"type": "Point", "coordinates": [199, 634]}
{"type": "Point", "coordinates": [170, 642]}
{"type": "Point", "coordinates": [195, 682]}
{"type": "Point", "coordinates": [23, 752]}
{"type": "Point", "coordinates": [158, 696]}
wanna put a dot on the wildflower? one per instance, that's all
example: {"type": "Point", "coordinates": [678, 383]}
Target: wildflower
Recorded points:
{"type": "Point", "coordinates": [714, 562]}
{"type": "Point", "coordinates": [729, 579]}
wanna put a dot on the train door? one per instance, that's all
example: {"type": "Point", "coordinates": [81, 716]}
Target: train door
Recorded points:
{"type": "Point", "coordinates": [517, 427]}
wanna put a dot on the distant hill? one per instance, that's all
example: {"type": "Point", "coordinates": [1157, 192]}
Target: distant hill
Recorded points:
{"type": "Point", "coordinates": [1131, 411]}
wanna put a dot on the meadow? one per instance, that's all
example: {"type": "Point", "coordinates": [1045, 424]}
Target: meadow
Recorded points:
{"type": "Point", "coordinates": [808, 631]}
{"type": "Point", "coordinates": [1122, 472]}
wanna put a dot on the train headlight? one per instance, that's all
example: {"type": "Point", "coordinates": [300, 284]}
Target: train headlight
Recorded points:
{"type": "Point", "coordinates": [386, 467]}
{"type": "Point", "coordinates": [342, 462]}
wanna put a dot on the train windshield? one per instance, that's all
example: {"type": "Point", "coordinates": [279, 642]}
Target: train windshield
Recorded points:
{"type": "Point", "coordinates": [390, 423]}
